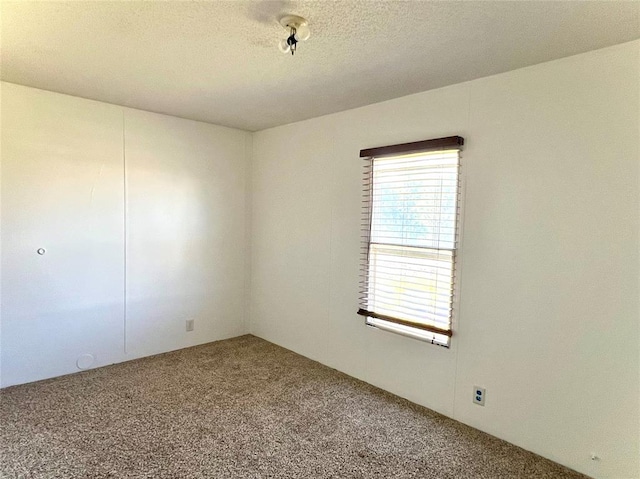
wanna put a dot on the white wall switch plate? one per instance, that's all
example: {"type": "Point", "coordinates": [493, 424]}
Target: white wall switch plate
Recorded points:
{"type": "Point", "coordinates": [190, 324]}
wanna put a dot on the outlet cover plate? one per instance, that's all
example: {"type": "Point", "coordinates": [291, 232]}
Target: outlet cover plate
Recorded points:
{"type": "Point", "coordinates": [479, 395]}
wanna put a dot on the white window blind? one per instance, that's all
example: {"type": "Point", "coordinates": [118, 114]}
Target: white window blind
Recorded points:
{"type": "Point", "coordinates": [410, 236]}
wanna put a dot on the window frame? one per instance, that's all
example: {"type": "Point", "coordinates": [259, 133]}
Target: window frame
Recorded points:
{"type": "Point", "coordinates": [424, 332]}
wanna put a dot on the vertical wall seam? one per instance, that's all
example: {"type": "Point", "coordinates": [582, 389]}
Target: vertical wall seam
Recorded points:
{"type": "Point", "coordinates": [124, 256]}
{"type": "Point", "coordinates": [248, 227]}
{"type": "Point", "coordinates": [460, 258]}
{"type": "Point", "coordinates": [1, 86]}
{"type": "Point", "coordinates": [331, 229]}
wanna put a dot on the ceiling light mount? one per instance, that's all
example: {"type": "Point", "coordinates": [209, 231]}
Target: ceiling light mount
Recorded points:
{"type": "Point", "coordinates": [298, 32]}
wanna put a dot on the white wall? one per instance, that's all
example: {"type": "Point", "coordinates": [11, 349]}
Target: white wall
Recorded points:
{"type": "Point", "coordinates": [185, 232]}
{"type": "Point", "coordinates": [548, 319]}
{"type": "Point", "coordinates": [63, 189]}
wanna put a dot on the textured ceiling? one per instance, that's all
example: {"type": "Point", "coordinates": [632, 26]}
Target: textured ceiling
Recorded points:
{"type": "Point", "coordinates": [218, 61]}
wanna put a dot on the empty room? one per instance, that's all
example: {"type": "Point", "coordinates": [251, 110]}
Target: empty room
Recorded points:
{"type": "Point", "coordinates": [320, 239]}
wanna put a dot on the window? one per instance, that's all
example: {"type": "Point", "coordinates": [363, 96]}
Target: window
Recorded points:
{"type": "Point", "coordinates": [410, 235]}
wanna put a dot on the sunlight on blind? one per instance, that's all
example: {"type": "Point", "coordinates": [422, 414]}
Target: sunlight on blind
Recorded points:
{"type": "Point", "coordinates": [411, 283]}
{"type": "Point", "coordinates": [410, 218]}
{"type": "Point", "coordinates": [414, 200]}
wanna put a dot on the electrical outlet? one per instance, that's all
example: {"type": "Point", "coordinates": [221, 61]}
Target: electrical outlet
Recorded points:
{"type": "Point", "coordinates": [190, 324]}
{"type": "Point", "coordinates": [479, 395]}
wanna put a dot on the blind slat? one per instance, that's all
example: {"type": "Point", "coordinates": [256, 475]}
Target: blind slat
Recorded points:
{"type": "Point", "coordinates": [426, 327]}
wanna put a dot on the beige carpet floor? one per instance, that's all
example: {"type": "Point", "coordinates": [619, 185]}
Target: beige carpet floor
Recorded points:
{"type": "Point", "coordinates": [240, 408]}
